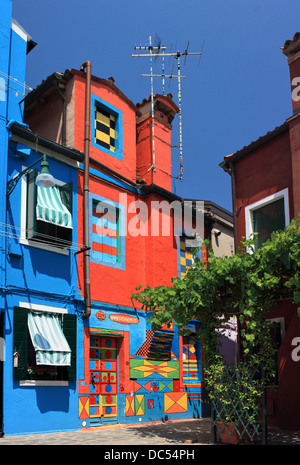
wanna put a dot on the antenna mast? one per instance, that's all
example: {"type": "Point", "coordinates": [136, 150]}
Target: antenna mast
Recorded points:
{"type": "Point", "coordinates": [159, 52]}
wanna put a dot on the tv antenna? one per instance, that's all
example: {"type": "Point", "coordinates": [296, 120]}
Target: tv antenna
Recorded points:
{"type": "Point", "coordinates": [159, 51]}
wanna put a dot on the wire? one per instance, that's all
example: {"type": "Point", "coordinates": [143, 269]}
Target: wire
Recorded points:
{"type": "Point", "coordinates": [22, 84]}
{"type": "Point", "coordinates": [45, 238]}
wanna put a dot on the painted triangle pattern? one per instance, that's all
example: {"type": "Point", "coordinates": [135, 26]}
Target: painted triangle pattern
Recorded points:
{"type": "Point", "coordinates": [142, 386]}
{"type": "Point", "coordinates": [154, 369]}
{"type": "Point", "coordinates": [175, 402]}
{"type": "Point", "coordinates": [135, 405]}
{"type": "Point", "coordinates": [139, 404]}
{"type": "Point", "coordinates": [84, 407]}
{"type": "Point", "coordinates": [129, 406]}
{"type": "Point", "coordinates": [165, 387]}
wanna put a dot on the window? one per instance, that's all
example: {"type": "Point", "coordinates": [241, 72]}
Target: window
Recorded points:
{"type": "Point", "coordinates": [49, 213]}
{"type": "Point", "coordinates": [267, 215]}
{"type": "Point", "coordinates": [107, 128]}
{"type": "Point", "coordinates": [107, 233]}
{"type": "Point", "coordinates": [44, 346]}
{"type": "Point", "coordinates": [105, 125]}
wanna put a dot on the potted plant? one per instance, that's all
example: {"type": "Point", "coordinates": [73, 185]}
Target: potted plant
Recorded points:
{"type": "Point", "coordinates": [235, 393]}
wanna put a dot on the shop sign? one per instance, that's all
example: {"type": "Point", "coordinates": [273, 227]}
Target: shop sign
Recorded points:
{"type": "Point", "coordinates": [100, 315]}
{"type": "Point", "coordinates": [124, 319]}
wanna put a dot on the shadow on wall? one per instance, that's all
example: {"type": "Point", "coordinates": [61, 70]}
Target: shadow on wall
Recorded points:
{"type": "Point", "coordinates": [53, 398]}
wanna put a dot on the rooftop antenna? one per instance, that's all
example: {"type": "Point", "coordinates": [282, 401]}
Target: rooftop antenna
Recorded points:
{"type": "Point", "coordinates": [155, 52]}
{"type": "Point", "coordinates": [156, 49]}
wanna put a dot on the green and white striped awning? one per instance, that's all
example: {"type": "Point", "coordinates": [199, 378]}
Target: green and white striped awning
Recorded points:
{"type": "Point", "coordinates": [51, 209]}
{"type": "Point", "coordinates": [48, 339]}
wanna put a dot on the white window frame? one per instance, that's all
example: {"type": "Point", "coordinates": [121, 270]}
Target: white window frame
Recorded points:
{"type": "Point", "coordinates": [283, 194]}
{"type": "Point", "coordinates": [23, 239]}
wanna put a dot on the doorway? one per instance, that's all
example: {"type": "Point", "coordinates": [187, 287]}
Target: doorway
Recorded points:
{"type": "Point", "coordinates": [103, 380]}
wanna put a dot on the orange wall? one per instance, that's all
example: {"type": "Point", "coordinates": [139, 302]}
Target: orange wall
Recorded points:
{"type": "Point", "coordinates": [161, 176]}
{"type": "Point", "coordinates": [149, 260]}
{"type": "Point", "coordinates": [127, 166]}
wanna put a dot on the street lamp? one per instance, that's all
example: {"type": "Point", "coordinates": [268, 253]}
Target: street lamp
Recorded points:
{"type": "Point", "coordinates": [44, 179]}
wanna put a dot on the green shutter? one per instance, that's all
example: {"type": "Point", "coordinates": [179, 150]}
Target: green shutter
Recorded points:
{"type": "Point", "coordinates": [66, 192]}
{"type": "Point", "coordinates": [70, 332]}
{"type": "Point", "coordinates": [31, 204]}
{"type": "Point", "coordinates": [20, 342]}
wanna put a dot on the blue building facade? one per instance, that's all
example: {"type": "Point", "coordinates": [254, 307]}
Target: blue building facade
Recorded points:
{"type": "Point", "coordinates": [38, 262]}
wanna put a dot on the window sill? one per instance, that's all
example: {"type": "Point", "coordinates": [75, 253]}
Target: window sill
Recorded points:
{"type": "Point", "coordinates": [47, 247]}
{"type": "Point", "coordinates": [34, 382]}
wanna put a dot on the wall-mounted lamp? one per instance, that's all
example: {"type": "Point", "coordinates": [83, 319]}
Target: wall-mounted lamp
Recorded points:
{"type": "Point", "coordinates": [44, 179]}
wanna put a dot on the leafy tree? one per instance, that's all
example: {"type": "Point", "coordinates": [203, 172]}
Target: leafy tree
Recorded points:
{"type": "Point", "coordinates": [245, 285]}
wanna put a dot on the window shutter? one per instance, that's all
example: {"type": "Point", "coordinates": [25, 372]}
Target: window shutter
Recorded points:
{"type": "Point", "coordinates": [66, 192]}
{"type": "Point", "coordinates": [20, 342]}
{"type": "Point", "coordinates": [70, 332]}
{"type": "Point", "coordinates": [31, 204]}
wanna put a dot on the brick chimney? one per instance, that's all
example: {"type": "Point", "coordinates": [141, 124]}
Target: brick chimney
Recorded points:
{"type": "Point", "coordinates": [291, 49]}
{"type": "Point", "coordinates": [154, 153]}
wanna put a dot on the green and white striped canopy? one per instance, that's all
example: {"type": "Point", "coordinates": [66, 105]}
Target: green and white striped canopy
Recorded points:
{"type": "Point", "coordinates": [48, 339]}
{"type": "Point", "coordinates": [50, 208]}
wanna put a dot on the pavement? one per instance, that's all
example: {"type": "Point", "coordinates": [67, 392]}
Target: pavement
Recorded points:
{"type": "Point", "coordinates": [186, 434]}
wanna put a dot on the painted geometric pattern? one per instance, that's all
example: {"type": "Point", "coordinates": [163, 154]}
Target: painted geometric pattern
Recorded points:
{"type": "Point", "coordinates": [185, 257]}
{"type": "Point", "coordinates": [142, 386]}
{"type": "Point", "coordinates": [103, 377]}
{"type": "Point", "coordinates": [194, 393]}
{"type": "Point", "coordinates": [105, 125]}
{"type": "Point", "coordinates": [105, 232]}
{"type": "Point", "coordinates": [175, 402]}
{"type": "Point", "coordinates": [84, 410]}
{"type": "Point", "coordinates": [191, 373]}
{"type": "Point", "coordinates": [143, 350]}
{"type": "Point", "coordinates": [165, 386]}
{"type": "Point", "coordinates": [157, 345]}
{"type": "Point", "coordinates": [160, 346]}
{"type": "Point", "coordinates": [140, 368]}
{"type": "Point", "coordinates": [135, 405]}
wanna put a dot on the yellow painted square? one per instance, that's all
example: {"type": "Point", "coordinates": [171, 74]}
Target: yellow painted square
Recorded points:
{"type": "Point", "coordinates": [102, 118]}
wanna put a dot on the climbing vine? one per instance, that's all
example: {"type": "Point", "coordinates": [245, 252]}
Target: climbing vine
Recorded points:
{"type": "Point", "coordinates": [245, 286]}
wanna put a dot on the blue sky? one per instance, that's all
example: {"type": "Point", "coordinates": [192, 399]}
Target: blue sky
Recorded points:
{"type": "Point", "coordinates": [239, 91]}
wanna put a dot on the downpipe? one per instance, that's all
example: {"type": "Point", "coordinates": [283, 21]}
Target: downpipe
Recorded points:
{"type": "Point", "coordinates": [87, 130]}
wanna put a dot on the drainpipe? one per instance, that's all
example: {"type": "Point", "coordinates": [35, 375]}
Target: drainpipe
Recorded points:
{"type": "Point", "coordinates": [231, 171]}
{"type": "Point", "coordinates": [87, 130]}
{"type": "Point", "coordinates": [64, 108]}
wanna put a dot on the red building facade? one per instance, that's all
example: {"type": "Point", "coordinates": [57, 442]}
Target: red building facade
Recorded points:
{"type": "Point", "coordinates": [126, 372]}
{"type": "Point", "coordinates": [266, 196]}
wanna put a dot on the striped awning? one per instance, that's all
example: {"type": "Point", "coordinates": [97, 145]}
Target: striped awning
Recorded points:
{"type": "Point", "coordinates": [48, 339]}
{"type": "Point", "coordinates": [50, 208]}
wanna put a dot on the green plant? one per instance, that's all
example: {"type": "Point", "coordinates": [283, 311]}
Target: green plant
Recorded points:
{"type": "Point", "coordinates": [245, 286]}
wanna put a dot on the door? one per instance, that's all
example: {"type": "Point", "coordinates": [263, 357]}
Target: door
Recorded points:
{"type": "Point", "coordinates": [103, 379]}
